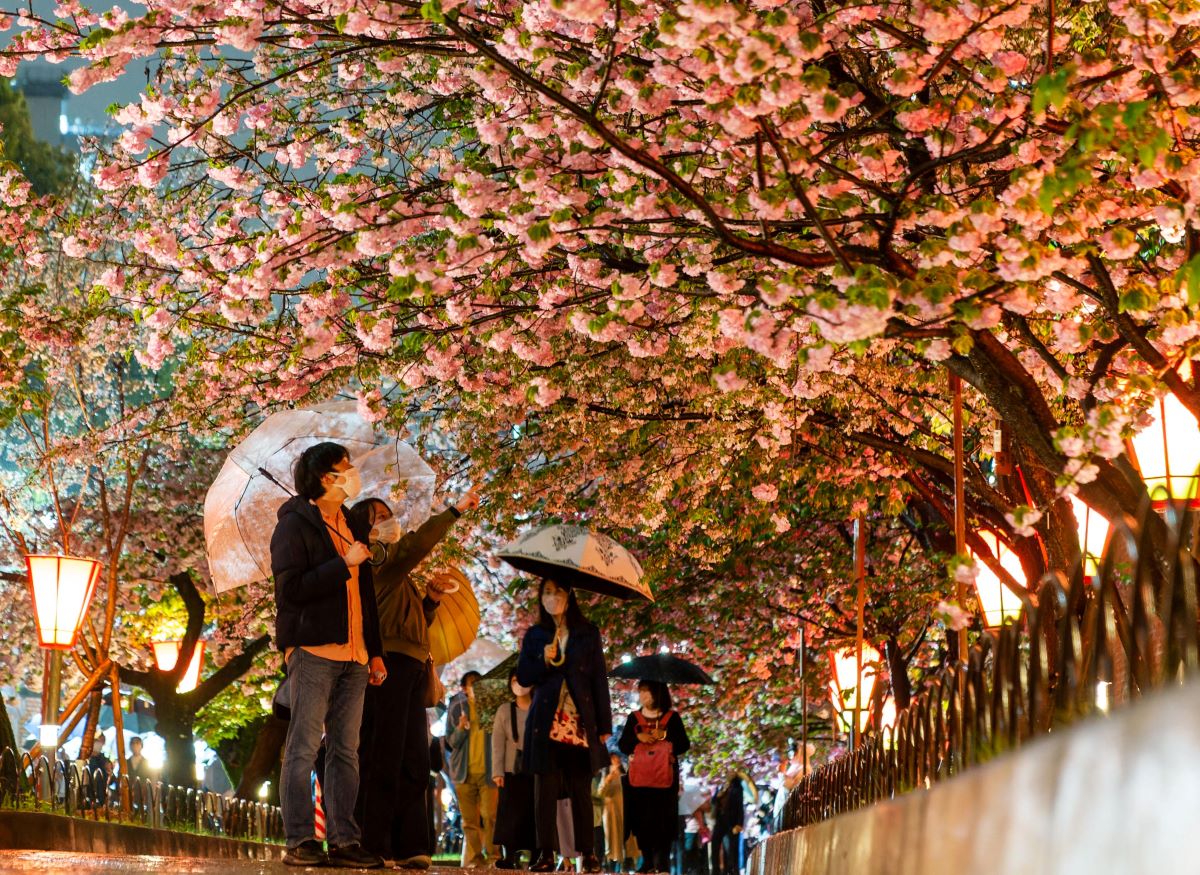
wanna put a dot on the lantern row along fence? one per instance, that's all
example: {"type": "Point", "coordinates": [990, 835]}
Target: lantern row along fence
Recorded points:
{"type": "Point", "coordinates": [1083, 647]}
{"type": "Point", "coordinates": [36, 784]}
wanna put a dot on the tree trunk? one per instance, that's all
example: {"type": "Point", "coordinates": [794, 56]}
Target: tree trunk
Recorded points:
{"type": "Point", "coordinates": [898, 670]}
{"type": "Point", "coordinates": [175, 726]}
{"type": "Point", "coordinates": [264, 759]}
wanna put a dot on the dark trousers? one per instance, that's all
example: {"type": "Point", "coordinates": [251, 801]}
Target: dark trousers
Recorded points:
{"type": "Point", "coordinates": [394, 762]}
{"type": "Point", "coordinates": [569, 777]}
{"type": "Point", "coordinates": [726, 851]}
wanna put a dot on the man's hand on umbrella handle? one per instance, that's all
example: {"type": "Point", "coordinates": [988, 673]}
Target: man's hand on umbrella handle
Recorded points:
{"type": "Point", "coordinates": [357, 554]}
{"type": "Point", "coordinates": [470, 501]}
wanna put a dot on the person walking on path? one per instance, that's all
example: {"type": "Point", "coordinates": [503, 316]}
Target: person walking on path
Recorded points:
{"type": "Point", "coordinates": [327, 626]}
{"type": "Point", "coordinates": [654, 739]}
{"type": "Point", "coordinates": [570, 718]}
{"type": "Point", "coordinates": [394, 746]}
{"type": "Point", "coordinates": [729, 810]}
{"type": "Point", "coordinates": [471, 772]}
{"type": "Point", "coordinates": [612, 794]}
{"type": "Point", "coordinates": [514, 811]}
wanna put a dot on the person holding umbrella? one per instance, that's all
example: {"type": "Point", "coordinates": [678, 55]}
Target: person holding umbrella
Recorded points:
{"type": "Point", "coordinates": [327, 626]}
{"type": "Point", "coordinates": [570, 718]}
{"type": "Point", "coordinates": [654, 739]}
{"type": "Point", "coordinates": [394, 746]}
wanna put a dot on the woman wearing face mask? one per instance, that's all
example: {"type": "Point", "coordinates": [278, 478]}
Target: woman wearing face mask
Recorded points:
{"type": "Point", "coordinates": [327, 626]}
{"type": "Point", "coordinates": [654, 739]}
{"type": "Point", "coordinates": [514, 812]}
{"type": "Point", "coordinates": [570, 718]}
{"type": "Point", "coordinates": [394, 749]}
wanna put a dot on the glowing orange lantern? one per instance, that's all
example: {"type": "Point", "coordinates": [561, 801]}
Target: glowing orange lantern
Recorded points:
{"type": "Point", "coordinates": [62, 588]}
{"type": "Point", "coordinates": [166, 654]}
{"type": "Point", "coordinates": [998, 600]}
{"type": "Point", "coordinates": [1167, 453]}
{"type": "Point", "coordinates": [1093, 536]}
{"type": "Point", "coordinates": [847, 693]}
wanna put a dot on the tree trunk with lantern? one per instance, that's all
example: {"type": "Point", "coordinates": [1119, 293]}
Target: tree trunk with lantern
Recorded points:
{"type": "Point", "coordinates": [176, 711]}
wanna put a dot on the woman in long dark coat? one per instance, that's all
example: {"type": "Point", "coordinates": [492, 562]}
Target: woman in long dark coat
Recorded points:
{"type": "Point", "coordinates": [652, 812]}
{"type": "Point", "coordinates": [562, 659]}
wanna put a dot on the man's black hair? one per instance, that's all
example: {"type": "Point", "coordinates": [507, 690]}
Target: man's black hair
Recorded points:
{"type": "Point", "coordinates": [469, 676]}
{"type": "Point", "coordinates": [313, 464]}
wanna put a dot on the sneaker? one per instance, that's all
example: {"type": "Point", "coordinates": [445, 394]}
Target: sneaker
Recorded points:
{"type": "Point", "coordinates": [354, 856]}
{"type": "Point", "coordinates": [420, 861]}
{"type": "Point", "coordinates": [544, 862]}
{"type": "Point", "coordinates": [307, 853]}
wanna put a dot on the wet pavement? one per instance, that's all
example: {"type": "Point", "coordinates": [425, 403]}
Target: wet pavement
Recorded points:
{"type": "Point", "coordinates": [69, 863]}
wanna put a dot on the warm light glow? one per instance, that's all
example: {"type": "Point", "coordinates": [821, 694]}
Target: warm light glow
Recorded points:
{"type": "Point", "coordinates": [264, 790]}
{"type": "Point", "coordinates": [166, 654]}
{"type": "Point", "coordinates": [844, 689]}
{"type": "Point", "coordinates": [1168, 450]}
{"type": "Point", "coordinates": [1093, 536]}
{"type": "Point", "coordinates": [62, 589]}
{"type": "Point", "coordinates": [48, 737]}
{"type": "Point", "coordinates": [887, 723]}
{"type": "Point", "coordinates": [999, 601]}
{"type": "Point", "coordinates": [200, 773]}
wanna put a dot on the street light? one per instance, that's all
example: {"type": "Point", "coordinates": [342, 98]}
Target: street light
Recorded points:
{"type": "Point", "coordinates": [1167, 452]}
{"type": "Point", "coordinates": [61, 588]}
{"type": "Point", "coordinates": [166, 654]}
{"type": "Point", "coordinates": [846, 690]}
{"type": "Point", "coordinates": [998, 600]}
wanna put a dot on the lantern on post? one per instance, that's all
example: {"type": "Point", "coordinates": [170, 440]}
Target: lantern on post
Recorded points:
{"type": "Point", "coordinates": [850, 693]}
{"type": "Point", "coordinates": [1167, 452]}
{"type": "Point", "coordinates": [1093, 536]}
{"type": "Point", "coordinates": [997, 599]}
{"type": "Point", "coordinates": [166, 654]}
{"type": "Point", "coordinates": [61, 588]}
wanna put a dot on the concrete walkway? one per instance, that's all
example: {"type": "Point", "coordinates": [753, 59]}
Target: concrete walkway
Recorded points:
{"type": "Point", "coordinates": [68, 863]}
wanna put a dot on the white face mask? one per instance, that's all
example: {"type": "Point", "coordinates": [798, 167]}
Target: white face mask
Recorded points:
{"type": "Point", "coordinates": [519, 690]}
{"type": "Point", "coordinates": [386, 531]}
{"type": "Point", "coordinates": [554, 603]}
{"type": "Point", "coordinates": [349, 481]}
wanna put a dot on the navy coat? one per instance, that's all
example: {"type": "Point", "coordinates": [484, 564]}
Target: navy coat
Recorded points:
{"type": "Point", "coordinates": [310, 583]}
{"type": "Point", "coordinates": [586, 677]}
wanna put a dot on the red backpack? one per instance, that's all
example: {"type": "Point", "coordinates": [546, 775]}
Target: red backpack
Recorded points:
{"type": "Point", "coordinates": [652, 765]}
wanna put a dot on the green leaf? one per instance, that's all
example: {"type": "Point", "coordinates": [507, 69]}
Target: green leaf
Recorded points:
{"type": "Point", "coordinates": [431, 10]}
{"type": "Point", "coordinates": [1189, 278]}
{"type": "Point", "coordinates": [339, 23]}
{"type": "Point", "coordinates": [1051, 90]}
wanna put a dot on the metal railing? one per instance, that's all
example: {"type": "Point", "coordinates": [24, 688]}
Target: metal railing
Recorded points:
{"type": "Point", "coordinates": [1085, 647]}
{"type": "Point", "coordinates": [36, 784]}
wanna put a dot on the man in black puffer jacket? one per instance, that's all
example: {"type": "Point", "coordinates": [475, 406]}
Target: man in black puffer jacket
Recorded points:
{"type": "Point", "coordinates": [327, 625]}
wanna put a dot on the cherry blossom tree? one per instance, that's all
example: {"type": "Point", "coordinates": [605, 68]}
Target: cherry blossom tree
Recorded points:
{"type": "Point", "coordinates": [642, 258]}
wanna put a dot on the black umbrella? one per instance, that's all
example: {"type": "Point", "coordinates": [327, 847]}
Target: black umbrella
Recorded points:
{"type": "Point", "coordinates": [662, 667]}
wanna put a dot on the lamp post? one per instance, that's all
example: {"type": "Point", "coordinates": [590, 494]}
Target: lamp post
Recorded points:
{"type": "Point", "coordinates": [61, 588]}
{"type": "Point", "coordinates": [166, 654]}
{"type": "Point", "coordinates": [998, 600]}
{"type": "Point", "coordinates": [1167, 453]}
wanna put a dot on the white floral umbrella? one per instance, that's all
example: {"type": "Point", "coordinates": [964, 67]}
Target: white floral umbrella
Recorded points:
{"type": "Point", "coordinates": [240, 510]}
{"type": "Point", "coordinates": [577, 557]}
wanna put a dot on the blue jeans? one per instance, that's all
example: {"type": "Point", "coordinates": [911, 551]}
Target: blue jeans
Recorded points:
{"type": "Point", "coordinates": [327, 696]}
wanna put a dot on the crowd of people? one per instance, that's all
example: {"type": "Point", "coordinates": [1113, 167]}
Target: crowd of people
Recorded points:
{"type": "Point", "coordinates": [553, 784]}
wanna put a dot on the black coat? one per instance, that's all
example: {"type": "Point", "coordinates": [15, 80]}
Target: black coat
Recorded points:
{"type": "Point", "coordinates": [310, 584]}
{"type": "Point", "coordinates": [587, 681]}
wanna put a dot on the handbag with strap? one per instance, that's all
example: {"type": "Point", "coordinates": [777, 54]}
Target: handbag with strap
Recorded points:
{"type": "Point", "coordinates": [565, 728]}
{"type": "Point", "coordinates": [434, 690]}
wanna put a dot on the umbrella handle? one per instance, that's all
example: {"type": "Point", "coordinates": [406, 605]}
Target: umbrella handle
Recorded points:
{"type": "Point", "coordinates": [271, 477]}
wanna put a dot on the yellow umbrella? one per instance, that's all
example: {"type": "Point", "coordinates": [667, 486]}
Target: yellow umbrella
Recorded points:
{"type": "Point", "coordinates": [456, 623]}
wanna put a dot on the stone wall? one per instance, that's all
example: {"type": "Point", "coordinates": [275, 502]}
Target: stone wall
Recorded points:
{"type": "Point", "coordinates": [1118, 796]}
{"type": "Point", "coordinates": [34, 831]}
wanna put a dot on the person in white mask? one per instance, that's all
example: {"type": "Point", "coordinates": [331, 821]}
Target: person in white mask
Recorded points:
{"type": "Point", "coordinates": [570, 718]}
{"type": "Point", "coordinates": [327, 626]}
{"type": "Point", "coordinates": [514, 813]}
{"type": "Point", "coordinates": [394, 749]}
